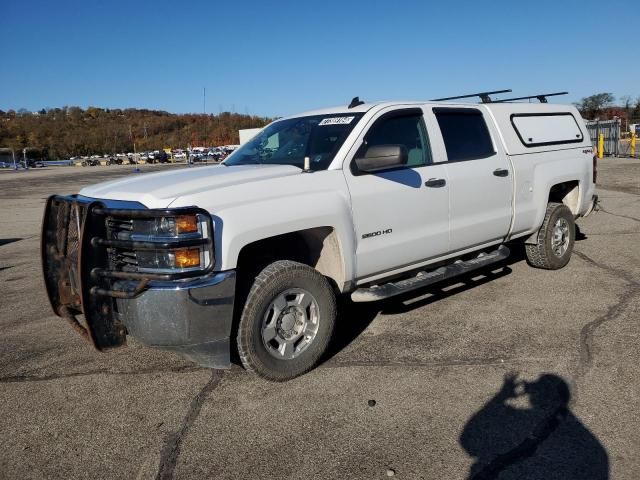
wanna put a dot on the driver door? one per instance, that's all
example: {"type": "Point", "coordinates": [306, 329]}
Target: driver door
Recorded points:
{"type": "Point", "coordinates": [401, 215]}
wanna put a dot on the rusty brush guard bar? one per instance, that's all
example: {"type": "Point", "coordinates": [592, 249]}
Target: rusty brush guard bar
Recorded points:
{"type": "Point", "coordinates": [80, 277]}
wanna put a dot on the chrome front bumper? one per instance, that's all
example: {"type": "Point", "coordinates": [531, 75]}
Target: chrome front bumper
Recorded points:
{"type": "Point", "coordinates": [190, 317]}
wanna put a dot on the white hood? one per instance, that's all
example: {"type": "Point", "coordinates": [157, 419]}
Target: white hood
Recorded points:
{"type": "Point", "coordinates": [159, 190]}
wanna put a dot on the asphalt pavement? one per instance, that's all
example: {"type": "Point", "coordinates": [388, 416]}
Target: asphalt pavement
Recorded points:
{"type": "Point", "coordinates": [512, 373]}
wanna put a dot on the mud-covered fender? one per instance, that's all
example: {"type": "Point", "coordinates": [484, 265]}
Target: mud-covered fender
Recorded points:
{"type": "Point", "coordinates": [240, 225]}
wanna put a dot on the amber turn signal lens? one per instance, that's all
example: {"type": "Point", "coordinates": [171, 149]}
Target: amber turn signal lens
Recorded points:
{"type": "Point", "coordinates": [187, 224]}
{"type": "Point", "coordinates": [187, 258]}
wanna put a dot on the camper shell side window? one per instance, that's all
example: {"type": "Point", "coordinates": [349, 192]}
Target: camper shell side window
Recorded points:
{"type": "Point", "coordinates": [543, 129]}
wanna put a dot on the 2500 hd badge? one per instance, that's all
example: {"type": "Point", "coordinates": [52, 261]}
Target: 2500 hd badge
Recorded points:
{"type": "Point", "coordinates": [378, 233]}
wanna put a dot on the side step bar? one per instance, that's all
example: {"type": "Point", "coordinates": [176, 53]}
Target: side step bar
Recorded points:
{"type": "Point", "coordinates": [423, 278]}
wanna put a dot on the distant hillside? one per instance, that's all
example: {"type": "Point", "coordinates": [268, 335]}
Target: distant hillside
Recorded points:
{"type": "Point", "coordinates": [71, 131]}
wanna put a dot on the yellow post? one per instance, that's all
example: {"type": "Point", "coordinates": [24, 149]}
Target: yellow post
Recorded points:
{"type": "Point", "coordinates": [169, 152]}
{"type": "Point", "coordinates": [633, 144]}
{"type": "Point", "coordinates": [601, 146]}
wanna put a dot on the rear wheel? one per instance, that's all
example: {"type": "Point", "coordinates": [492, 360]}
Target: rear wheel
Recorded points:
{"type": "Point", "coordinates": [556, 236]}
{"type": "Point", "coordinates": [287, 321]}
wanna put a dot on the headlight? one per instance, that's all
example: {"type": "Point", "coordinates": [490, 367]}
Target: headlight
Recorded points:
{"type": "Point", "coordinates": [183, 258]}
{"type": "Point", "coordinates": [167, 226]}
{"type": "Point", "coordinates": [183, 238]}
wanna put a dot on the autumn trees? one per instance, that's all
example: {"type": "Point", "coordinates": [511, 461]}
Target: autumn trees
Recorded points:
{"type": "Point", "coordinates": [72, 131]}
{"type": "Point", "coordinates": [601, 106]}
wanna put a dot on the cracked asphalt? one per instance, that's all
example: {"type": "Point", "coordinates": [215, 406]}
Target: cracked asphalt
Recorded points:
{"type": "Point", "coordinates": [512, 373]}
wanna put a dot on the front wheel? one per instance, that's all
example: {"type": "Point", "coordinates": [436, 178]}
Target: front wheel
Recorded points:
{"type": "Point", "coordinates": [556, 236]}
{"type": "Point", "coordinates": [287, 321]}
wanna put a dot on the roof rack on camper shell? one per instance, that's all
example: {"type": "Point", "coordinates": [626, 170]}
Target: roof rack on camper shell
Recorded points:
{"type": "Point", "coordinates": [486, 98]}
{"type": "Point", "coordinates": [542, 97]}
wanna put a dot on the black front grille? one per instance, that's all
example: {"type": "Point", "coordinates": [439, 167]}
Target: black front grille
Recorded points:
{"type": "Point", "coordinates": [123, 260]}
{"type": "Point", "coordinates": [120, 259]}
{"type": "Point", "coordinates": [118, 228]}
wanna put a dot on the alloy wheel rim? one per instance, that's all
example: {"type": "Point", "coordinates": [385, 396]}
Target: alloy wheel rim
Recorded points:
{"type": "Point", "coordinates": [290, 323]}
{"type": "Point", "coordinates": [560, 237]}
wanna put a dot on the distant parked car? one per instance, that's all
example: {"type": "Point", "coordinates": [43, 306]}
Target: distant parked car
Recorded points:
{"type": "Point", "coordinates": [197, 157]}
{"type": "Point", "coordinates": [162, 157]}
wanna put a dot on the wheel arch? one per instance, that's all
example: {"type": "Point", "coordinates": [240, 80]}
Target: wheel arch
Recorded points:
{"type": "Point", "coordinates": [567, 192]}
{"type": "Point", "coordinates": [318, 247]}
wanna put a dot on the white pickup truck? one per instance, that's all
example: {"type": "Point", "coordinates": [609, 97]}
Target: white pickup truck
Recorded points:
{"type": "Point", "coordinates": [247, 258]}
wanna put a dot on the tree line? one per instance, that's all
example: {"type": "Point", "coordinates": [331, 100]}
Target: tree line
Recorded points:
{"type": "Point", "coordinates": [602, 106]}
{"type": "Point", "coordinates": [60, 133]}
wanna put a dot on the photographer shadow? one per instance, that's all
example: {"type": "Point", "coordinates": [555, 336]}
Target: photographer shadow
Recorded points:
{"type": "Point", "coordinates": [542, 440]}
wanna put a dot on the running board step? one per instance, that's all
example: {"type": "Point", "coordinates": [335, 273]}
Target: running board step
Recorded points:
{"type": "Point", "coordinates": [422, 279]}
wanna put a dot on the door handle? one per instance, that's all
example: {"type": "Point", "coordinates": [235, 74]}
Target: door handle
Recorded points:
{"type": "Point", "coordinates": [501, 172]}
{"type": "Point", "coordinates": [435, 182]}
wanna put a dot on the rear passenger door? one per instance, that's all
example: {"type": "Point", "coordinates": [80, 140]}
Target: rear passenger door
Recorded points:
{"type": "Point", "coordinates": [480, 178]}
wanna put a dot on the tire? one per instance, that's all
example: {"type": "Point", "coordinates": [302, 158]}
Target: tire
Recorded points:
{"type": "Point", "coordinates": [550, 253]}
{"type": "Point", "coordinates": [278, 339]}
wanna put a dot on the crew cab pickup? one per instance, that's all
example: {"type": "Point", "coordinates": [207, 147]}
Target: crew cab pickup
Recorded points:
{"type": "Point", "coordinates": [245, 259]}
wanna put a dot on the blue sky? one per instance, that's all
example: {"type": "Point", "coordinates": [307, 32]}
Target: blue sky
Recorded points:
{"type": "Point", "coordinates": [281, 57]}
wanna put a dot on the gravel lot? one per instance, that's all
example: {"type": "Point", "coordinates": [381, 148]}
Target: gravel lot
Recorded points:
{"type": "Point", "coordinates": [415, 388]}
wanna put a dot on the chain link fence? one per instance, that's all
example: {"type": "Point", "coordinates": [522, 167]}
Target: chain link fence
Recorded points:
{"type": "Point", "coordinates": [611, 131]}
{"type": "Point", "coordinates": [616, 142]}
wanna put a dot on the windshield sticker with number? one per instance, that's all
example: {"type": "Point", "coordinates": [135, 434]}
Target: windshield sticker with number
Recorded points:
{"type": "Point", "coordinates": [336, 121]}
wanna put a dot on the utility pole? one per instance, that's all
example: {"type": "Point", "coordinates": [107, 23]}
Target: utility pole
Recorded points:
{"type": "Point", "coordinates": [135, 155]}
{"type": "Point", "coordinates": [204, 111]}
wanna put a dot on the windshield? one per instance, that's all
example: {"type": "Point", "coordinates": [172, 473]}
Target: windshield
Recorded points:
{"type": "Point", "coordinates": [288, 142]}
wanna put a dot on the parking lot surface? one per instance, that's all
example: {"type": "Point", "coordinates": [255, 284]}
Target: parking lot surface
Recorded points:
{"type": "Point", "coordinates": [417, 387]}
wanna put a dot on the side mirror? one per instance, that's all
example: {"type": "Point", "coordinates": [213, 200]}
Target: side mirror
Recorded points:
{"type": "Point", "coordinates": [382, 157]}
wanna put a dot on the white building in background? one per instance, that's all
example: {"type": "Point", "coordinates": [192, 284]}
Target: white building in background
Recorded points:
{"type": "Point", "coordinates": [247, 134]}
